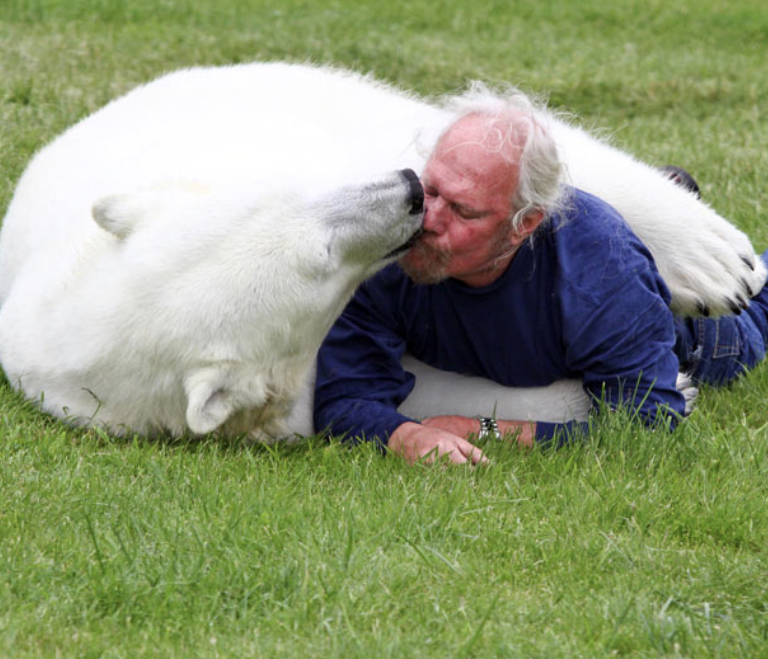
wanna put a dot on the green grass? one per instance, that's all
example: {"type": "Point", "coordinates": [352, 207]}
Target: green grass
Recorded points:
{"type": "Point", "coordinates": [634, 544]}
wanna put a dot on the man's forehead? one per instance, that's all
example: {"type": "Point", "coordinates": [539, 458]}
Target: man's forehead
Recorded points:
{"type": "Point", "coordinates": [472, 153]}
{"type": "Point", "coordinates": [496, 134]}
{"type": "Point", "coordinates": [480, 138]}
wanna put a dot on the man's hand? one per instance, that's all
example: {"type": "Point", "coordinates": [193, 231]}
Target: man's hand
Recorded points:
{"type": "Point", "coordinates": [414, 441]}
{"type": "Point", "coordinates": [463, 426]}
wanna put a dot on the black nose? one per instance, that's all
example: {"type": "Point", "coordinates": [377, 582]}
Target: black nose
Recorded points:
{"type": "Point", "coordinates": [416, 194]}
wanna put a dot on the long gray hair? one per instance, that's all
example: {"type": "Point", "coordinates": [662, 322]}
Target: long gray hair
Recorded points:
{"type": "Point", "coordinates": [517, 129]}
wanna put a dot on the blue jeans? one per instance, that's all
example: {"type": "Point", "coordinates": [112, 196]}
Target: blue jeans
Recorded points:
{"type": "Point", "coordinates": [717, 350]}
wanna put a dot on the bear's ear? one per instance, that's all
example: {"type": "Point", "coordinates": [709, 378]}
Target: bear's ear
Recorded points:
{"type": "Point", "coordinates": [213, 395]}
{"type": "Point", "coordinates": [121, 214]}
{"type": "Point", "coordinates": [117, 213]}
{"type": "Point", "coordinates": [207, 409]}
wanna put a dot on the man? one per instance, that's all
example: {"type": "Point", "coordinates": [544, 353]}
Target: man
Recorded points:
{"type": "Point", "coordinates": [522, 281]}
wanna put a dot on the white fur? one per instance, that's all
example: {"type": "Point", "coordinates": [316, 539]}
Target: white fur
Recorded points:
{"type": "Point", "coordinates": [174, 260]}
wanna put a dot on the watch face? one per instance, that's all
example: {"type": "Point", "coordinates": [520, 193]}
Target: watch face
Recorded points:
{"type": "Point", "coordinates": [487, 427]}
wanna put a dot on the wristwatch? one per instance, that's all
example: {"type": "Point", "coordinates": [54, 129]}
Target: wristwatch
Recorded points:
{"type": "Point", "coordinates": [488, 428]}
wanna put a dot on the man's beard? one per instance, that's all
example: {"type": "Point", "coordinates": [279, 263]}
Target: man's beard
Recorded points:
{"type": "Point", "coordinates": [425, 264]}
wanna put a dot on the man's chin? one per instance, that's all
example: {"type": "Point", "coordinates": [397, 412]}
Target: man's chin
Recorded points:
{"type": "Point", "coordinates": [425, 265]}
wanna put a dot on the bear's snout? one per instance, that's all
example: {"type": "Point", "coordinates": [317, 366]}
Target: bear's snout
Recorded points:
{"type": "Point", "coordinates": [416, 193]}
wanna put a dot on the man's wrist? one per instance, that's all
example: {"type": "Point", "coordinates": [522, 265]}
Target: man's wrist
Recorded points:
{"type": "Point", "coordinates": [522, 432]}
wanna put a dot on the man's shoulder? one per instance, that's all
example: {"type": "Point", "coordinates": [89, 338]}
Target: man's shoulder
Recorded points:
{"type": "Point", "coordinates": [591, 226]}
{"type": "Point", "coordinates": [595, 248]}
{"type": "Point", "coordinates": [584, 214]}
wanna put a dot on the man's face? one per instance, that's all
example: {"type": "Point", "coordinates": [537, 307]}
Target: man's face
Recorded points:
{"type": "Point", "coordinates": [467, 232]}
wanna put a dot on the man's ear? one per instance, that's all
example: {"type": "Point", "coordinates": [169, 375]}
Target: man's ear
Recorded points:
{"type": "Point", "coordinates": [529, 223]}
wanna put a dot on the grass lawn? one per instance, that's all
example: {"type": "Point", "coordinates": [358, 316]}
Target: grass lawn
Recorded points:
{"type": "Point", "coordinates": [633, 544]}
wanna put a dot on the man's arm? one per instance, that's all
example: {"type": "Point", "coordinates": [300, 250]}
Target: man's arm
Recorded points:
{"type": "Point", "coordinates": [622, 344]}
{"type": "Point", "coordinates": [523, 432]}
{"type": "Point", "coordinates": [360, 383]}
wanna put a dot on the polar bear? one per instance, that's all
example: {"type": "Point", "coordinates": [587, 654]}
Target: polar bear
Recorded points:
{"type": "Point", "coordinates": [172, 262]}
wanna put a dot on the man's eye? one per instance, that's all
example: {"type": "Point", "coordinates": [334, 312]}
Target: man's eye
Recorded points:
{"type": "Point", "coordinates": [466, 213]}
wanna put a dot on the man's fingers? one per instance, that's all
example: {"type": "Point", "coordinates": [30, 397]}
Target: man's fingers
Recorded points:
{"type": "Point", "coordinates": [462, 451]}
{"type": "Point", "coordinates": [457, 457]}
{"type": "Point", "coordinates": [428, 456]}
{"type": "Point", "coordinates": [471, 452]}
{"type": "Point", "coordinates": [458, 452]}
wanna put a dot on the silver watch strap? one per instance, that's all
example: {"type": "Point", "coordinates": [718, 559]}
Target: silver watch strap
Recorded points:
{"type": "Point", "coordinates": [488, 428]}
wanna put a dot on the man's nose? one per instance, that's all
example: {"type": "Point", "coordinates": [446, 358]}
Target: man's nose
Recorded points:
{"type": "Point", "coordinates": [434, 214]}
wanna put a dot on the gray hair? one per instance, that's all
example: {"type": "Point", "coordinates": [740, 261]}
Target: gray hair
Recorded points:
{"type": "Point", "coordinates": [517, 129]}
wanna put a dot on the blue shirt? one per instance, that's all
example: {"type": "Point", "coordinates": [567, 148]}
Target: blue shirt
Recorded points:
{"type": "Point", "coordinates": [584, 300]}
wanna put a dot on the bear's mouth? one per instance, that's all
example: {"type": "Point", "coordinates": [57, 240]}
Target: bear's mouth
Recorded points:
{"type": "Point", "coordinates": [406, 245]}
